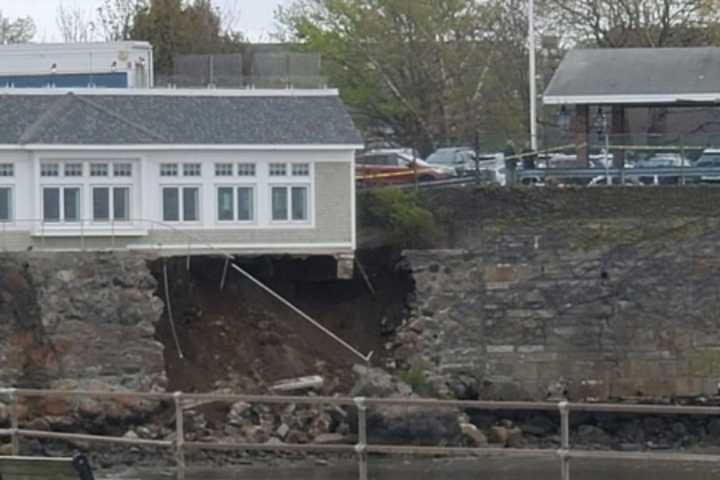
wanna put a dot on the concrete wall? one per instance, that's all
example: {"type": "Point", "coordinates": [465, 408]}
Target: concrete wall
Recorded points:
{"type": "Point", "coordinates": [606, 294]}
{"type": "Point", "coordinates": [329, 230]}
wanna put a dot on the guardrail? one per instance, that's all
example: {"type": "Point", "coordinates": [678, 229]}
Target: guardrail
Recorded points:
{"type": "Point", "coordinates": [362, 448]}
{"type": "Point", "coordinates": [589, 173]}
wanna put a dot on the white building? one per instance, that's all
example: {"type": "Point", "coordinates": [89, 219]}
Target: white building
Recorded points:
{"type": "Point", "coordinates": [177, 171]}
{"type": "Point", "coordinates": [77, 65]}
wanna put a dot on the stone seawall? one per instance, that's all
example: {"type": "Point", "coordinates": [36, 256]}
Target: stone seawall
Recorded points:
{"type": "Point", "coordinates": [561, 301]}
{"type": "Point", "coordinates": [79, 321]}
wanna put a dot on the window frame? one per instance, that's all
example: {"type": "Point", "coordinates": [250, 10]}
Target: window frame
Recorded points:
{"type": "Point", "coordinates": [111, 203]}
{"type": "Point", "coordinates": [236, 211]}
{"type": "Point", "coordinates": [61, 203]}
{"type": "Point", "coordinates": [181, 203]}
{"type": "Point", "coordinates": [288, 186]}
{"type": "Point", "coordinates": [11, 206]}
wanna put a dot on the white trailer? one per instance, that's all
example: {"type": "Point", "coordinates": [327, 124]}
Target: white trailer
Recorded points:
{"type": "Point", "coordinates": [112, 64]}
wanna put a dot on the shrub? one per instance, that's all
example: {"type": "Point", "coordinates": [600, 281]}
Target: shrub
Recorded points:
{"type": "Point", "coordinates": [401, 216]}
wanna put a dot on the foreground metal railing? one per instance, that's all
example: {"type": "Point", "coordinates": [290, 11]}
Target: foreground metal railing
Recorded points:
{"type": "Point", "coordinates": [362, 448]}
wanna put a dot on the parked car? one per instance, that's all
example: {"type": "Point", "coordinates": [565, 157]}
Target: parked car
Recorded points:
{"type": "Point", "coordinates": [710, 158]}
{"type": "Point", "coordinates": [394, 166]}
{"type": "Point", "coordinates": [661, 160]}
{"type": "Point", "coordinates": [462, 161]}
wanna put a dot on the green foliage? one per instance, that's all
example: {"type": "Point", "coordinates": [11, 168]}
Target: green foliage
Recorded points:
{"type": "Point", "coordinates": [175, 27]}
{"type": "Point", "coordinates": [417, 379]}
{"type": "Point", "coordinates": [20, 30]}
{"type": "Point", "coordinates": [405, 222]}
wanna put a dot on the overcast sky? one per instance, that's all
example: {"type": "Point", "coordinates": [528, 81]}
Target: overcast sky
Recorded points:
{"type": "Point", "coordinates": [255, 16]}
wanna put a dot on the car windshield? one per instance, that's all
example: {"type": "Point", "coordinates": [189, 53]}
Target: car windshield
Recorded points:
{"type": "Point", "coordinates": [442, 157]}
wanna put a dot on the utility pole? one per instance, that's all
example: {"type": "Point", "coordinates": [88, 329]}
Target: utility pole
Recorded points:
{"type": "Point", "coordinates": [532, 75]}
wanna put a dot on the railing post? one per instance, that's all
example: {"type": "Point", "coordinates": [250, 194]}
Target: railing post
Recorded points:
{"type": "Point", "coordinates": [361, 447]}
{"type": "Point", "coordinates": [14, 422]}
{"type": "Point", "coordinates": [564, 408]}
{"type": "Point", "coordinates": [179, 436]}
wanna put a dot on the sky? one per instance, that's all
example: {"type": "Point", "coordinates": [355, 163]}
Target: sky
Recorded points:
{"type": "Point", "coordinates": [255, 16]}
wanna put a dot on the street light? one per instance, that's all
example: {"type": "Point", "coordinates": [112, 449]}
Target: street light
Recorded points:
{"type": "Point", "coordinates": [532, 74]}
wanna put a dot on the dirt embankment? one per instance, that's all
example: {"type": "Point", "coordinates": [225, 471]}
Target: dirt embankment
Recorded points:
{"type": "Point", "coordinates": [242, 338]}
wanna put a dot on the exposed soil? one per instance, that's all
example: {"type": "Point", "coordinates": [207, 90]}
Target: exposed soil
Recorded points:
{"type": "Point", "coordinates": [242, 338]}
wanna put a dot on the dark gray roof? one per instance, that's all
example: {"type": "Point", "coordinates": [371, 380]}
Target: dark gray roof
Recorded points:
{"type": "Point", "coordinates": [637, 71]}
{"type": "Point", "coordinates": [117, 119]}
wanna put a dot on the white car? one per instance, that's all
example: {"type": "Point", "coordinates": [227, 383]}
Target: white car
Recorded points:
{"type": "Point", "coordinates": [710, 158]}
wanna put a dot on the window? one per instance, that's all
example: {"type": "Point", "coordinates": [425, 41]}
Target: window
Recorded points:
{"type": "Point", "coordinates": [122, 169]}
{"type": "Point", "coordinates": [7, 170]}
{"type": "Point", "coordinates": [99, 170]}
{"type": "Point", "coordinates": [278, 169]}
{"type": "Point", "coordinates": [299, 203]}
{"type": "Point", "coordinates": [245, 203]}
{"type": "Point", "coordinates": [192, 169]}
{"type": "Point", "coordinates": [111, 203]}
{"type": "Point", "coordinates": [73, 169]}
{"type": "Point", "coordinates": [168, 169]}
{"type": "Point", "coordinates": [301, 169]}
{"type": "Point", "coordinates": [223, 169]}
{"type": "Point", "coordinates": [226, 204]}
{"type": "Point", "coordinates": [101, 204]}
{"type": "Point", "coordinates": [177, 200]}
{"type": "Point", "coordinates": [246, 169]}
{"type": "Point", "coordinates": [290, 203]}
{"type": "Point", "coordinates": [279, 203]}
{"type": "Point", "coordinates": [61, 204]}
{"type": "Point", "coordinates": [236, 203]}
{"type": "Point", "coordinates": [6, 204]}
{"type": "Point", "coordinates": [50, 170]}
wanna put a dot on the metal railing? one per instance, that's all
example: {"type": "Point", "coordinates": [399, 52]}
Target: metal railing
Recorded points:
{"type": "Point", "coordinates": [362, 448]}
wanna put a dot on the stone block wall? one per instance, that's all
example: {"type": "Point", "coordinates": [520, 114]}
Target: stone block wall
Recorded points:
{"type": "Point", "coordinates": [83, 321]}
{"type": "Point", "coordinates": [595, 307]}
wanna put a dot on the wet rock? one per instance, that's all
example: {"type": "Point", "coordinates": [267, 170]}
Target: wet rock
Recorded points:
{"type": "Point", "coordinates": [713, 429]}
{"type": "Point", "coordinates": [592, 435]}
{"type": "Point", "coordinates": [540, 425]}
{"type": "Point", "coordinates": [654, 425]}
{"type": "Point", "coordinates": [413, 426]}
{"type": "Point", "coordinates": [474, 436]}
{"type": "Point", "coordinates": [679, 429]}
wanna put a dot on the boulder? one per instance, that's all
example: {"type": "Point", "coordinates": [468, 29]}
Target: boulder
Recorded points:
{"type": "Point", "coordinates": [498, 435]}
{"type": "Point", "coordinates": [540, 425]}
{"type": "Point", "coordinates": [516, 439]}
{"type": "Point", "coordinates": [375, 382]}
{"type": "Point", "coordinates": [329, 439]}
{"type": "Point", "coordinates": [592, 435]}
{"type": "Point", "coordinates": [413, 426]}
{"type": "Point", "coordinates": [473, 435]}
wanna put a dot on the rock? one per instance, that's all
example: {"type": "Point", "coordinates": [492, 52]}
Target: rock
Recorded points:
{"type": "Point", "coordinates": [413, 426]}
{"type": "Point", "coordinates": [483, 420]}
{"type": "Point", "coordinates": [320, 424]}
{"type": "Point", "coordinates": [313, 382]}
{"type": "Point", "coordinates": [329, 439]}
{"type": "Point", "coordinates": [498, 435]}
{"type": "Point", "coordinates": [375, 382]}
{"type": "Point", "coordinates": [540, 425]}
{"type": "Point", "coordinates": [238, 413]}
{"type": "Point", "coordinates": [6, 450]}
{"type": "Point", "coordinates": [713, 428]}
{"type": "Point", "coordinates": [274, 442]}
{"type": "Point", "coordinates": [296, 436]}
{"type": "Point", "coordinates": [39, 424]}
{"type": "Point", "coordinates": [474, 435]}
{"type": "Point", "coordinates": [282, 431]}
{"type": "Point", "coordinates": [131, 434]}
{"type": "Point", "coordinates": [592, 435]}
{"type": "Point", "coordinates": [654, 425]}
{"type": "Point", "coordinates": [679, 429]}
{"type": "Point", "coordinates": [516, 439]}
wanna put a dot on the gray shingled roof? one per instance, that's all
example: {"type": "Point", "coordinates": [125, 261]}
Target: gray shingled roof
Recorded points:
{"type": "Point", "coordinates": [76, 119]}
{"type": "Point", "coordinates": [637, 71]}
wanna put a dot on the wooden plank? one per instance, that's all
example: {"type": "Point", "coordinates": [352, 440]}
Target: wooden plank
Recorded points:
{"type": "Point", "coordinates": [37, 468]}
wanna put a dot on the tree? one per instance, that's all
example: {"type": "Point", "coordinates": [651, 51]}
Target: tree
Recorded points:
{"type": "Point", "coordinates": [173, 28]}
{"type": "Point", "coordinates": [75, 25]}
{"type": "Point", "coordinates": [20, 30]}
{"type": "Point", "coordinates": [417, 68]}
{"type": "Point", "coordinates": [638, 23]}
{"type": "Point", "coordinates": [116, 17]}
